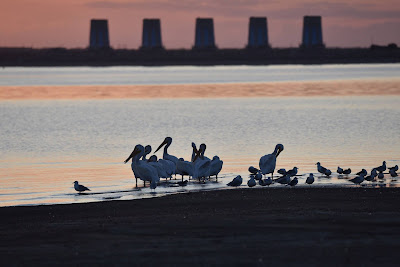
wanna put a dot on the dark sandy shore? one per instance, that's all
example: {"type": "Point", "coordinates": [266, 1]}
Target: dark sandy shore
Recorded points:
{"type": "Point", "coordinates": [249, 227]}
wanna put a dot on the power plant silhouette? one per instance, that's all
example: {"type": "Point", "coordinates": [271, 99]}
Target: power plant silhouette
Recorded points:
{"type": "Point", "coordinates": [204, 34]}
{"type": "Point", "coordinates": [151, 37]}
{"type": "Point", "coordinates": [312, 32]}
{"type": "Point", "coordinates": [99, 34]}
{"type": "Point", "coordinates": [258, 33]}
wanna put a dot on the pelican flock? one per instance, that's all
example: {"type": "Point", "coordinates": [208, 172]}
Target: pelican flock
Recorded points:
{"type": "Point", "coordinates": [201, 168]}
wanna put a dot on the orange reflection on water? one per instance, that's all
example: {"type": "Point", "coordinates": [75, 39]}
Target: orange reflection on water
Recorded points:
{"type": "Point", "coordinates": [270, 89]}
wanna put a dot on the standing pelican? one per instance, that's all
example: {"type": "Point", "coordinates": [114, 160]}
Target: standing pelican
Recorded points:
{"type": "Point", "coordinates": [201, 164]}
{"type": "Point", "coordinates": [268, 162]}
{"type": "Point", "coordinates": [167, 141]}
{"type": "Point", "coordinates": [215, 167]}
{"type": "Point", "coordinates": [184, 167]}
{"type": "Point", "coordinates": [145, 171]}
{"type": "Point", "coordinates": [133, 165]}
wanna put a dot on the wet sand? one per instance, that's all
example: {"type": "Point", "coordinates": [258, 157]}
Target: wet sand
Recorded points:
{"type": "Point", "coordinates": [249, 227]}
{"type": "Point", "coordinates": [270, 89]}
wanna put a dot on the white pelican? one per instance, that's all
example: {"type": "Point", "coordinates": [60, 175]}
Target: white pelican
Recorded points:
{"type": "Point", "coordinates": [167, 141]}
{"type": "Point", "coordinates": [147, 150]}
{"type": "Point", "coordinates": [133, 165]}
{"type": "Point", "coordinates": [268, 162]}
{"type": "Point", "coordinates": [237, 181]}
{"type": "Point", "coordinates": [358, 179]}
{"type": "Point", "coordinates": [162, 173]}
{"type": "Point", "coordinates": [293, 182]}
{"type": "Point", "coordinates": [184, 167]}
{"type": "Point", "coordinates": [201, 164]}
{"type": "Point", "coordinates": [215, 167]}
{"type": "Point", "coordinates": [252, 181]}
{"type": "Point", "coordinates": [169, 167]}
{"type": "Point", "coordinates": [80, 188]}
{"type": "Point", "coordinates": [381, 168]}
{"type": "Point", "coordinates": [310, 179]}
{"type": "Point", "coordinates": [145, 171]}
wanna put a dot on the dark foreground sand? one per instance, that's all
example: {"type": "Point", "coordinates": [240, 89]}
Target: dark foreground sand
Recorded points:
{"type": "Point", "coordinates": [252, 227]}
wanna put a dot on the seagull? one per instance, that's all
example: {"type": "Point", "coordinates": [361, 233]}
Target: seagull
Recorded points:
{"type": "Point", "coordinates": [371, 177]}
{"type": "Point", "coordinates": [339, 170]}
{"type": "Point", "coordinates": [267, 181]}
{"type": "Point", "coordinates": [381, 168]}
{"type": "Point", "coordinates": [393, 173]}
{"type": "Point", "coordinates": [283, 180]}
{"type": "Point", "coordinates": [268, 162]}
{"type": "Point", "coordinates": [80, 188]}
{"type": "Point", "coordinates": [358, 179]}
{"type": "Point", "coordinates": [253, 170]}
{"type": "Point", "coordinates": [395, 168]}
{"type": "Point", "coordinates": [292, 172]}
{"type": "Point", "coordinates": [282, 171]}
{"type": "Point", "coordinates": [252, 181]}
{"type": "Point", "coordinates": [258, 176]}
{"type": "Point", "coordinates": [347, 171]}
{"type": "Point", "coordinates": [293, 182]}
{"type": "Point", "coordinates": [310, 179]}
{"type": "Point", "coordinates": [236, 181]}
{"type": "Point", "coordinates": [328, 172]}
{"type": "Point", "coordinates": [363, 172]}
{"type": "Point", "coordinates": [320, 168]}
{"type": "Point", "coordinates": [381, 175]}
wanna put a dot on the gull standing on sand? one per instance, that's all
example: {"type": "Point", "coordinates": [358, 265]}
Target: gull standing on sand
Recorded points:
{"type": "Point", "coordinates": [292, 172]}
{"type": "Point", "coordinates": [268, 162]}
{"type": "Point", "coordinates": [80, 188]}
{"type": "Point", "coordinates": [358, 179]}
{"type": "Point", "coordinates": [347, 171]}
{"type": "Point", "coordinates": [283, 180]}
{"type": "Point", "coordinates": [252, 181]}
{"type": "Point", "coordinates": [237, 181]}
{"type": "Point", "coordinates": [393, 173]}
{"type": "Point", "coordinates": [381, 168]}
{"type": "Point", "coordinates": [253, 170]}
{"type": "Point", "coordinates": [264, 182]}
{"type": "Point", "coordinates": [310, 179]}
{"type": "Point", "coordinates": [322, 169]}
{"type": "Point", "coordinates": [339, 170]}
{"type": "Point", "coordinates": [293, 182]}
{"type": "Point", "coordinates": [371, 177]}
{"type": "Point", "coordinates": [395, 168]}
{"type": "Point", "coordinates": [363, 172]}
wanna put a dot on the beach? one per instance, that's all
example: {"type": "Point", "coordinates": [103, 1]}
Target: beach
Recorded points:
{"type": "Point", "coordinates": [250, 227]}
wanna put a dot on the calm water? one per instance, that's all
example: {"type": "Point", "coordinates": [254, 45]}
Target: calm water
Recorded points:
{"type": "Point", "coordinates": [46, 145]}
{"type": "Point", "coordinates": [192, 74]}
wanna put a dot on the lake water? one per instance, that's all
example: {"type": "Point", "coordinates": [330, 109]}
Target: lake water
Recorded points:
{"type": "Point", "coordinates": [48, 144]}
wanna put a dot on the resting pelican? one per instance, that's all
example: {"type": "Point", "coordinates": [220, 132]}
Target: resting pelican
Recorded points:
{"type": "Point", "coordinates": [215, 167]}
{"type": "Point", "coordinates": [201, 164]}
{"type": "Point", "coordinates": [145, 171]}
{"type": "Point", "coordinates": [161, 171]}
{"type": "Point", "coordinates": [237, 181]}
{"type": "Point", "coordinates": [310, 179]}
{"type": "Point", "coordinates": [184, 167]}
{"type": "Point", "coordinates": [268, 162]}
{"type": "Point", "coordinates": [167, 141]}
{"type": "Point", "coordinates": [80, 188]}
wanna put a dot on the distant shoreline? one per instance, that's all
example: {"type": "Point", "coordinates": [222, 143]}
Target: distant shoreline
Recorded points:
{"type": "Point", "coordinates": [177, 57]}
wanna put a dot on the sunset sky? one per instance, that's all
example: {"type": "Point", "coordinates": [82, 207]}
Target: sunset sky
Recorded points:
{"type": "Point", "coordinates": [61, 23]}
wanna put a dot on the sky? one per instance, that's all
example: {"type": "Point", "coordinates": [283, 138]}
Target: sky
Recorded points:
{"type": "Point", "coordinates": [66, 23]}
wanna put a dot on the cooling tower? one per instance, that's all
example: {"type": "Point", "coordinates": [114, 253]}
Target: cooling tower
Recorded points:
{"type": "Point", "coordinates": [204, 37]}
{"type": "Point", "coordinates": [312, 32]}
{"type": "Point", "coordinates": [258, 33]}
{"type": "Point", "coordinates": [99, 33]}
{"type": "Point", "coordinates": [151, 37]}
